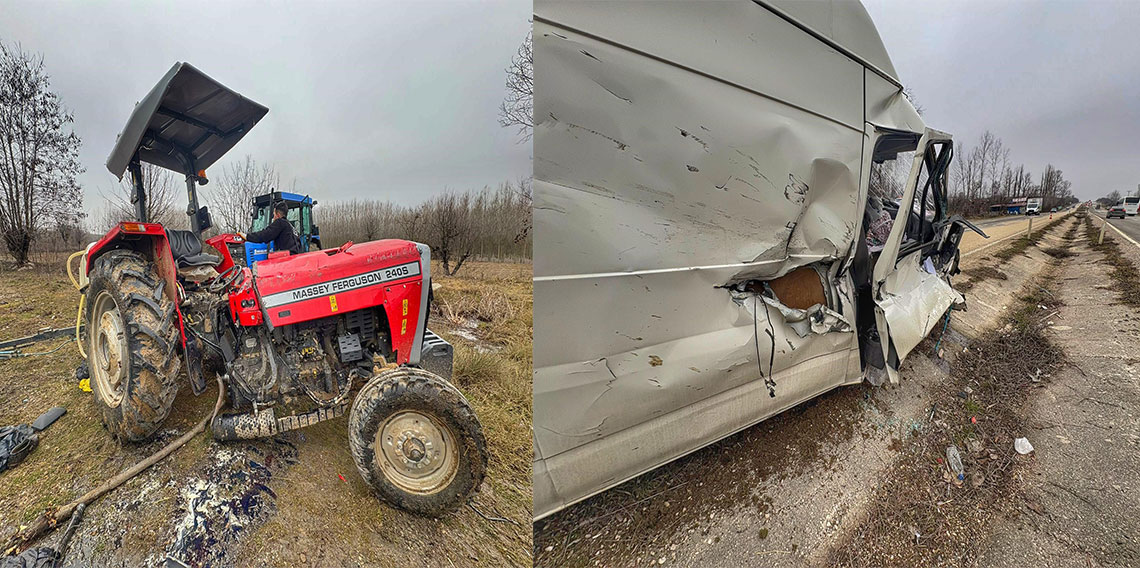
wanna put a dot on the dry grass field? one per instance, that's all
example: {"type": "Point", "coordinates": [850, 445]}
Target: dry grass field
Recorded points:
{"type": "Point", "coordinates": [289, 501]}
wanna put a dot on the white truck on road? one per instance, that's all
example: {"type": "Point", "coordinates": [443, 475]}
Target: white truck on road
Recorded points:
{"type": "Point", "coordinates": [1131, 205]}
{"type": "Point", "coordinates": [1033, 206]}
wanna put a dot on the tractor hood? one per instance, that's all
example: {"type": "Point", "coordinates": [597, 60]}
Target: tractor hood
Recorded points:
{"type": "Point", "coordinates": [186, 123]}
{"type": "Point", "coordinates": [322, 283]}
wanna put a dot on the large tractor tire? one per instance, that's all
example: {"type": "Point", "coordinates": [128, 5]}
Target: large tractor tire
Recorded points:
{"type": "Point", "coordinates": [132, 345]}
{"type": "Point", "coordinates": [417, 442]}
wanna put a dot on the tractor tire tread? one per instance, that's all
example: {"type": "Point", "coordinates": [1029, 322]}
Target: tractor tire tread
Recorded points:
{"type": "Point", "coordinates": [152, 339]}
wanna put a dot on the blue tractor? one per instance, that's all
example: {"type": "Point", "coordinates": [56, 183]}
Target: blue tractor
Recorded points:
{"type": "Point", "coordinates": [300, 216]}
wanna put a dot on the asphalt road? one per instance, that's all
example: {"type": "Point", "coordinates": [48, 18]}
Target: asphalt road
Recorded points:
{"type": "Point", "coordinates": [998, 229]}
{"type": "Point", "coordinates": [1129, 225]}
{"type": "Point", "coordinates": [1003, 220]}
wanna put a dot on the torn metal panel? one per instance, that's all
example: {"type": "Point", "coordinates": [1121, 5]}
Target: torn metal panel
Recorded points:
{"type": "Point", "coordinates": [913, 301]}
{"type": "Point", "coordinates": [802, 298]}
{"type": "Point", "coordinates": [816, 319]}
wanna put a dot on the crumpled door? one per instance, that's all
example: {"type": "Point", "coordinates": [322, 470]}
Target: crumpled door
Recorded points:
{"type": "Point", "coordinates": [910, 279]}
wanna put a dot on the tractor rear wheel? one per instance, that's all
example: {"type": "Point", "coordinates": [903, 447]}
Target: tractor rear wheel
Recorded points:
{"type": "Point", "coordinates": [417, 442]}
{"type": "Point", "coordinates": [132, 337]}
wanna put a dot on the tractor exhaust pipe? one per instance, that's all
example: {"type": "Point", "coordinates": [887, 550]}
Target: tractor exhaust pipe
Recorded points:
{"type": "Point", "coordinates": [264, 423]}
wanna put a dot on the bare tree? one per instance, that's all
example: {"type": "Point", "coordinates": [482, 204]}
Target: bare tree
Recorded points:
{"type": "Point", "coordinates": [358, 221]}
{"type": "Point", "coordinates": [69, 226]}
{"type": "Point", "coordinates": [411, 223]}
{"type": "Point", "coordinates": [526, 209]}
{"type": "Point", "coordinates": [448, 229]}
{"type": "Point", "coordinates": [162, 188]}
{"type": "Point", "coordinates": [231, 198]}
{"type": "Point", "coordinates": [39, 154]}
{"type": "Point", "coordinates": [517, 108]}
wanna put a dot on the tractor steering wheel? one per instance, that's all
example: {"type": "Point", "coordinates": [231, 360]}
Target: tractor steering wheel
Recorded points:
{"type": "Point", "coordinates": [224, 280]}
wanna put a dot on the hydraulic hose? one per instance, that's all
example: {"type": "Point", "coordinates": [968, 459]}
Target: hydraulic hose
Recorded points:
{"type": "Point", "coordinates": [82, 299]}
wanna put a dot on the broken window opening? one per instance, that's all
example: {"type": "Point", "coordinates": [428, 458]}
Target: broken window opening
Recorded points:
{"type": "Point", "coordinates": [929, 207]}
{"type": "Point", "coordinates": [892, 160]}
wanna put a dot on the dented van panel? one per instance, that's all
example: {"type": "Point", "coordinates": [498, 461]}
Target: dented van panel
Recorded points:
{"type": "Point", "coordinates": [698, 209]}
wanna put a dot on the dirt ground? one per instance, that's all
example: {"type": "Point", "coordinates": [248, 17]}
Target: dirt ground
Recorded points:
{"type": "Point", "coordinates": [294, 500]}
{"type": "Point", "coordinates": [854, 477]}
{"type": "Point", "coordinates": [1080, 495]}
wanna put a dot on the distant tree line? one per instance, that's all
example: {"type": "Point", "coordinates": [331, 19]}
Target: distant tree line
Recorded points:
{"type": "Point", "coordinates": [985, 176]}
{"type": "Point", "coordinates": [488, 224]}
{"type": "Point", "coordinates": [982, 176]}
{"type": "Point", "coordinates": [1115, 196]}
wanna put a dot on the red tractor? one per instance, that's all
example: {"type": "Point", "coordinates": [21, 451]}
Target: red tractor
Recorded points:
{"type": "Point", "coordinates": [295, 339]}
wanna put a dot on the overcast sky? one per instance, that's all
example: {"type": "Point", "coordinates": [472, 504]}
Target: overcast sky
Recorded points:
{"type": "Point", "coordinates": [1058, 82]}
{"type": "Point", "coordinates": [387, 100]}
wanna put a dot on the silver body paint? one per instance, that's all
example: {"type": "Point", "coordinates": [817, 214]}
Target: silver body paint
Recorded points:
{"type": "Point", "coordinates": [681, 149]}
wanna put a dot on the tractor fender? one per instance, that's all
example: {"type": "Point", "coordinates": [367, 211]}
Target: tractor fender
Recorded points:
{"type": "Point", "coordinates": [150, 240]}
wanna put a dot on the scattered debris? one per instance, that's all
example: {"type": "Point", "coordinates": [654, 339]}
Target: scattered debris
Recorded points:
{"type": "Point", "coordinates": [1022, 446]}
{"type": "Point", "coordinates": [231, 499]}
{"type": "Point", "coordinates": [954, 459]}
{"type": "Point", "coordinates": [16, 442]}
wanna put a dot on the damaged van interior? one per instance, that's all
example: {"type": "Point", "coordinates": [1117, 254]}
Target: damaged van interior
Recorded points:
{"type": "Point", "coordinates": [701, 266]}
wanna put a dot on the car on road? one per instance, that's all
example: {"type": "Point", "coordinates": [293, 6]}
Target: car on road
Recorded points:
{"type": "Point", "coordinates": [1117, 210]}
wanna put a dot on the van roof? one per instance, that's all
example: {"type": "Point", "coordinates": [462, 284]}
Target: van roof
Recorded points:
{"type": "Point", "coordinates": [845, 24]}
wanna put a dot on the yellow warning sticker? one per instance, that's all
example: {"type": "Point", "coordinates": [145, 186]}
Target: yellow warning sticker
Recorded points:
{"type": "Point", "coordinates": [405, 306]}
{"type": "Point", "coordinates": [404, 327]}
{"type": "Point", "coordinates": [332, 302]}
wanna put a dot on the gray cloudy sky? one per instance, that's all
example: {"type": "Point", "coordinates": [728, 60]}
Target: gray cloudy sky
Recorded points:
{"type": "Point", "coordinates": [1058, 82]}
{"type": "Point", "coordinates": [387, 100]}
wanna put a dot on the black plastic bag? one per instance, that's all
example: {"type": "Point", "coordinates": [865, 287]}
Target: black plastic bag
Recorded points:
{"type": "Point", "coordinates": [16, 442]}
{"type": "Point", "coordinates": [41, 557]}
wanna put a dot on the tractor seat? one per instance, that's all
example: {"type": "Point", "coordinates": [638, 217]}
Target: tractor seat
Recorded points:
{"type": "Point", "coordinates": [187, 250]}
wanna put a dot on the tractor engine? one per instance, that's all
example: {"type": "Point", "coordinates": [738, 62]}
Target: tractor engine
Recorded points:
{"type": "Point", "coordinates": [316, 359]}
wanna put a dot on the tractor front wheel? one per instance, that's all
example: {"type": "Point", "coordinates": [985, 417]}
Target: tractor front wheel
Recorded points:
{"type": "Point", "coordinates": [132, 337]}
{"type": "Point", "coordinates": [417, 442]}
